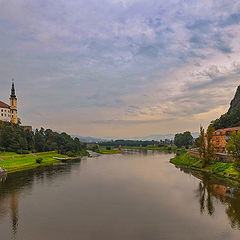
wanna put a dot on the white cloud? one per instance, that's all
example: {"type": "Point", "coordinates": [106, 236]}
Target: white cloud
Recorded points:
{"type": "Point", "coordinates": [166, 58]}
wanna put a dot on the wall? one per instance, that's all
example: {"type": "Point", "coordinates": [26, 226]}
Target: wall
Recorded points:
{"type": "Point", "coordinates": [219, 157]}
{"type": "Point", "coordinates": [6, 114]}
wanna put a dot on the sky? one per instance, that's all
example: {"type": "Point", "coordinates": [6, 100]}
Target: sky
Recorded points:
{"type": "Point", "coordinates": [120, 68]}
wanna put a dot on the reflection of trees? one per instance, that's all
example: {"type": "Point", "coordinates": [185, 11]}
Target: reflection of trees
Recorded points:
{"type": "Point", "coordinates": [205, 197]}
{"type": "Point", "coordinates": [14, 184]}
{"type": "Point", "coordinates": [228, 194]}
{"type": "Point", "coordinates": [233, 210]}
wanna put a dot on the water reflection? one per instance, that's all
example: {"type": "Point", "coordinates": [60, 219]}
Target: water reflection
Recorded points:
{"type": "Point", "coordinates": [136, 195]}
{"type": "Point", "coordinates": [13, 185]}
{"type": "Point", "coordinates": [221, 190]}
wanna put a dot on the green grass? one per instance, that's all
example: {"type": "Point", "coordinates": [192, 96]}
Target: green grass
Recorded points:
{"type": "Point", "coordinates": [13, 162]}
{"type": "Point", "coordinates": [223, 169]}
{"type": "Point", "coordinates": [103, 150]}
{"type": "Point", "coordinates": [7, 154]}
{"type": "Point", "coordinates": [184, 160]}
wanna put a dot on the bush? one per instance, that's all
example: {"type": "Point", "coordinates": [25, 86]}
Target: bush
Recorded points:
{"type": "Point", "coordinates": [22, 151]}
{"type": "Point", "coordinates": [108, 148]}
{"type": "Point", "coordinates": [25, 152]}
{"type": "Point", "coordinates": [70, 154]}
{"type": "Point", "coordinates": [2, 149]}
{"type": "Point", "coordinates": [39, 160]}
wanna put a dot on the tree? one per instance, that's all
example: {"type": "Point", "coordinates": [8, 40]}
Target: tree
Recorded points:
{"type": "Point", "coordinates": [206, 148]}
{"type": "Point", "coordinates": [202, 145]}
{"type": "Point", "coordinates": [210, 155]}
{"type": "Point", "coordinates": [183, 139]}
{"type": "Point", "coordinates": [233, 147]}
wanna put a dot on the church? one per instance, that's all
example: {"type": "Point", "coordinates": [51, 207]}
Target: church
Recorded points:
{"type": "Point", "coordinates": [8, 113]}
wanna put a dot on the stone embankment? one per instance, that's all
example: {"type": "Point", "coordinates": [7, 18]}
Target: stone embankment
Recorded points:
{"type": "Point", "coordinates": [219, 157]}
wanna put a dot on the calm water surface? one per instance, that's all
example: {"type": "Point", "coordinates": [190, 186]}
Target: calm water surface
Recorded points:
{"type": "Point", "coordinates": [134, 195]}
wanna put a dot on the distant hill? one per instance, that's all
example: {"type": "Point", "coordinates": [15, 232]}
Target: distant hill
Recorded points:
{"type": "Point", "coordinates": [158, 137]}
{"type": "Point", "coordinates": [89, 139]}
{"type": "Point", "coordinates": [232, 117]}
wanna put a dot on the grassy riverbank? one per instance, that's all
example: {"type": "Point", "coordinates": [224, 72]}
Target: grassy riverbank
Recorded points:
{"type": "Point", "coordinates": [14, 162]}
{"type": "Point", "coordinates": [218, 168]}
{"type": "Point", "coordinates": [104, 150]}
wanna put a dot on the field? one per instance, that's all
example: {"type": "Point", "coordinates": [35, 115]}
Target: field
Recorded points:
{"type": "Point", "coordinates": [13, 162]}
{"type": "Point", "coordinates": [103, 150]}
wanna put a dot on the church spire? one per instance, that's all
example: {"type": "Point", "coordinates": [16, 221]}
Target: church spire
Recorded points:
{"type": "Point", "coordinates": [13, 105]}
{"type": "Point", "coordinates": [13, 94]}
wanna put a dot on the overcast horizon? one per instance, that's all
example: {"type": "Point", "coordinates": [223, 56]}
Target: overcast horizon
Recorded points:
{"type": "Point", "coordinates": [120, 68]}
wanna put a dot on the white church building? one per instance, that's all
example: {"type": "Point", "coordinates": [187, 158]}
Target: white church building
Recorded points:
{"type": "Point", "coordinates": [8, 113]}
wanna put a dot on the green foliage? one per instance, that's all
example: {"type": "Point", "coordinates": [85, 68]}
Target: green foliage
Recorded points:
{"type": "Point", "coordinates": [232, 117]}
{"type": "Point", "coordinates": [224, 169]}
{"type": "Point", "coordinates": [233, 147]}
{"type": "Point", "coordinates": [183, 139]}
{"type": "Point", "coordinates": [206, 148]}
{"type": "Point", "coordinates": [210, 155]}
{"type": "Point", "coordinates": [71, 154]}
{"type": "Point", "coordinates": [184, 160]}
{"type": "Point", "coordinates": [13, 138]}
{"type": "Point", "coordinates": [106, 150]}
{"type": "Point", "coordinates": [134, 143]}
{"type": "Point", "coordinates": [202, 145]}
{"type": "Point", "coordinates": [39, 160]}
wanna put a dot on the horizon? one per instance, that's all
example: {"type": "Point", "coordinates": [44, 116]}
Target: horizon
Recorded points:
{"type": "Point", "coordinates": [118, 68]}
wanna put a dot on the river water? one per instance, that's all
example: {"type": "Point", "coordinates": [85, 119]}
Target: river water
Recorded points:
{"type": "Point", "coordinates": [134, 195]}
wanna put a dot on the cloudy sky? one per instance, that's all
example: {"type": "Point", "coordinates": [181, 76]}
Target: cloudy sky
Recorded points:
{"type": "Point", "coordinates": [120, 68]}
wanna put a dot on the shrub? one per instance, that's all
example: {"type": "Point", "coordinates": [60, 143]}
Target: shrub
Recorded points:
{"type": "Point", "coordinates": [70, 154]}
{"type": "Point", "coordinates": [25, 152]}
{"type": "Point", "coordinates": [39, 160]}
{"type": "Point", "coordinates": [108, 148]}
{"type": "Point", "coordinates": [22, 151]}
{"type": "Point", "coordinates": [2, 149]}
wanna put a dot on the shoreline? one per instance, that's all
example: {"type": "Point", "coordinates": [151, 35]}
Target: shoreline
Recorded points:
{"type": "Point", "coordinates": [13, 162]}
{"type": "Point", "coordinates": [225, 171]}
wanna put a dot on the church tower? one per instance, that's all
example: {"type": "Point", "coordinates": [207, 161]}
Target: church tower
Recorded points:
{"type": "Point", "coordinates": [13, 105]}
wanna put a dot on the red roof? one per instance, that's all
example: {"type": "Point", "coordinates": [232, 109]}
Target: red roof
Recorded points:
{"type": "Point", "coordinates": [4, 105]}
{"type": "Point", "coordinates": [228, 129]}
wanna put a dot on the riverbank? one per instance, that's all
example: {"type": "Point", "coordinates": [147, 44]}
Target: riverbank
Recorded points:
{"type": "Point", "coordinates": [104, 150]}
{"type": "Point", "coordinates": [226, 170]}
{"type": "Point", "coordinates": [14, 162]}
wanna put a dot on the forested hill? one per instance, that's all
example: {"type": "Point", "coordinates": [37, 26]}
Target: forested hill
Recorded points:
{"type": "Point", "coordinates": [13, 138]}
{"type": "Point", "coordinates": [232, 117]}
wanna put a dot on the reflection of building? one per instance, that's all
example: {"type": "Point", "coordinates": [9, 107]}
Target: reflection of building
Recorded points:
{"type": "Point", "coordinates": [10, 204]}
{"type": "Point", "coordinates": [220, 138]}
{"type": "Point", "coordinates": [14, 211]}
{"type": "Point", "coordinates": [8, 113]}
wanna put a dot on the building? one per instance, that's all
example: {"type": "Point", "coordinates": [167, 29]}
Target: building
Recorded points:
{"type": "Point", "coordinates": [220, 138]}
{"type": "Point", "coordinates": [4, 112]}
{"type": "Point", "coordinates": [8, 113]}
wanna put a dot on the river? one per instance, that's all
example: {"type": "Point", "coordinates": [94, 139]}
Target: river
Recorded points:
{"type": "Point", "coordinates": [129, 196]}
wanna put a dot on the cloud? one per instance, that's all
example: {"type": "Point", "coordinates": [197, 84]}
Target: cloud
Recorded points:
{"type": "Point", "coordinates": [130, 61]}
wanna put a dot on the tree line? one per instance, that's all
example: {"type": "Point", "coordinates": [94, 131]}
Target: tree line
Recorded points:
{"type": "Point", "coordinates": [14, 138]}
{"type": "Point", "coordinates": [129, 143]}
